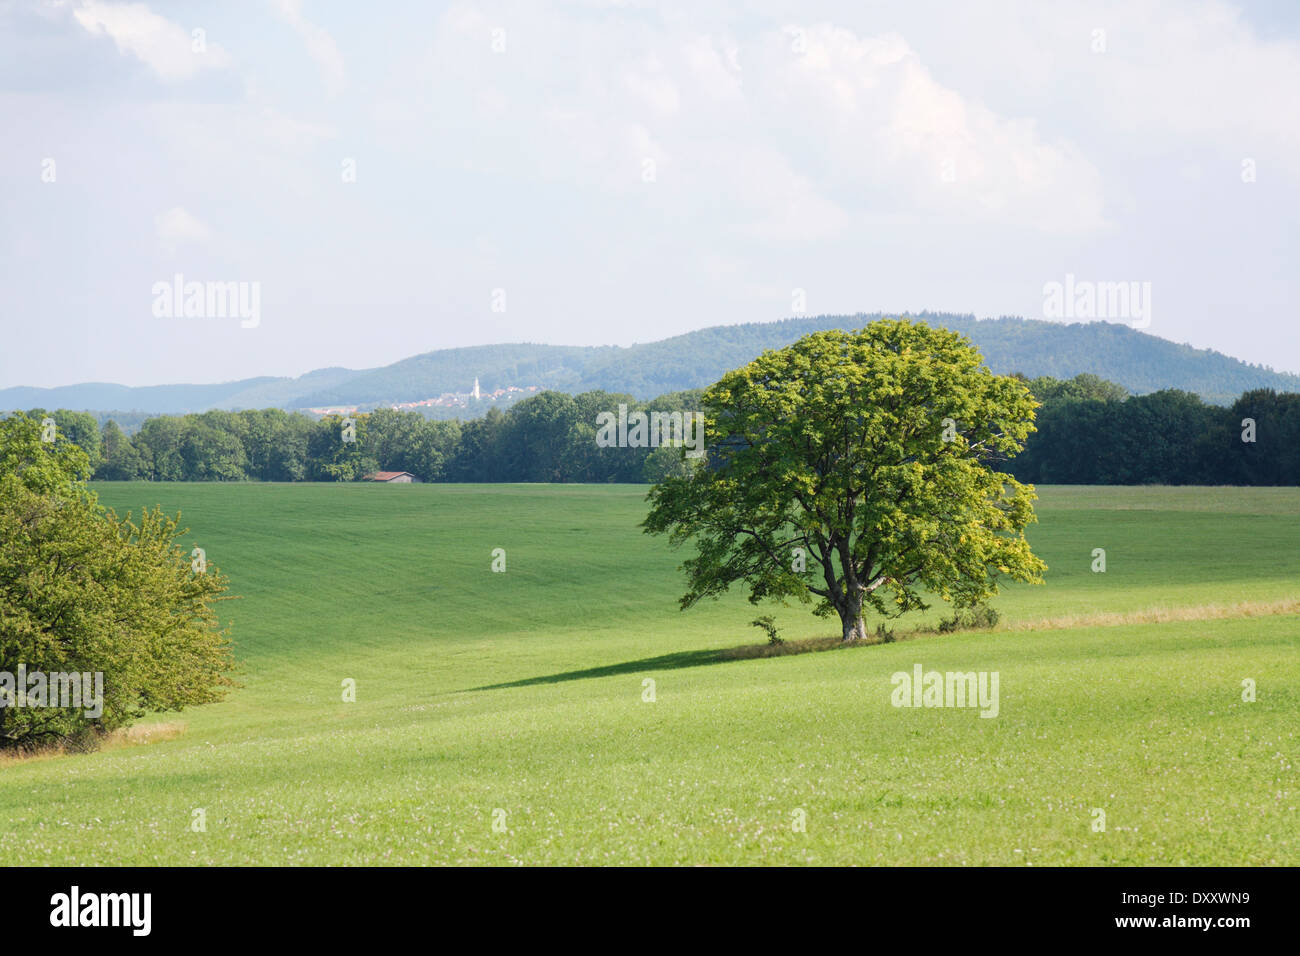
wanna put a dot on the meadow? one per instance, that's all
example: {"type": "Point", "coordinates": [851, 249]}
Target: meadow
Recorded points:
{"type": "Point", "coordinates": [519, 698]}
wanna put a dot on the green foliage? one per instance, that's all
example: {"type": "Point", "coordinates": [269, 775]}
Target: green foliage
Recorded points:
{"type": "Point", "coordinates": [768, 624]}
{"type": "Point", "coordinates": [1273, 458]}
{"type": "Point", "coordinates": [212, 450]}
{"type": "Point", "coordinates": [1083, 387]}
{"type": "Point", "coordinates": [979, 617]}
{"type": "Point", "coordinates": [275, 444]}
{"type": "Point", "coordinates": [407, 441]}
{"type": "Point", "coordinates": [82, 430]}
{"type": "Point", "coordinates": [159, 444]}
{"type": "Point", "coordinates": [121, 460]}
{"type": "Point", "coordinates": [1089, 431]}
{"type": "Point", "coordinates": [540, 433]}
{"type": "Point", "coordinates": [40, 466]}
{"type": "Point", "coordinates": [840, 445]}
{"type": "Point", "coordinates": [331, 457]}
{"type": "Point", "coordinates": [84, 591]}
{"type": "Point", "coordinates": [1167, 437]}
{"type": "Point", "coordinates": [667, 462]}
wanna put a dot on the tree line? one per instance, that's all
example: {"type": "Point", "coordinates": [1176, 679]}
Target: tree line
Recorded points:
{"type": "Point", "coordinates": [1089, 431]}
{"type": "Point", "coordinates": [550, 437]}
{"type": "Point", "coordinates": [1089, 435]}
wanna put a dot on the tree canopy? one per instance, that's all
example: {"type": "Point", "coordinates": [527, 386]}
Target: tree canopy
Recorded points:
{"type": "Point", "coordinates": [867, 458]}
{"type": "Point", "coordinates": [83, 591]}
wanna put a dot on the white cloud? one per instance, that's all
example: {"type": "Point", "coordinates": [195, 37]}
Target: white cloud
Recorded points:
{"type": "Point", "coordinates": [320, 44]}
{"type": "Point", "coordinates": [649, 83]}
{"type": "Point", "coordinates": [171, 51]}
{"type": "Point", "coordinates": [877, 129]}
{"type": "Point", "coordinates": [913, 155]}
{"type": "Point", "coordinates": [780, 140]}
{"type": "Point", "coordinates": [1176, 76]}
{"type": "Point", "coordinates": [1200, 73]}
{"type": "Point", "coordinates": [178, 225]}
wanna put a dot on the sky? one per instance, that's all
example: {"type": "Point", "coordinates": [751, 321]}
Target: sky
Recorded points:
{"type": "Point", "coordinates": [381, 180]}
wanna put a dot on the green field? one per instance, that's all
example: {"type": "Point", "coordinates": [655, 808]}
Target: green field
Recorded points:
{"type": "Point", "coordinates": [522, 692]}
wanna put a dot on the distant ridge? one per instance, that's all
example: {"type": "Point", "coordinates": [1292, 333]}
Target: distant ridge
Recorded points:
{"type": "Point", "coordinates": [1140, 362]}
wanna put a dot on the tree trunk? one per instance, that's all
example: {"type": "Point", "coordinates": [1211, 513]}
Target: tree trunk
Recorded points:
{"type": "Point", "coordinates": [855, 628]}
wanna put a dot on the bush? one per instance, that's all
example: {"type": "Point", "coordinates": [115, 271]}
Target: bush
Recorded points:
{"type": "Point", "coordinates": [979, 617]}
{"type": "Point", "coordinates": [768, 624]}
{"type": "Point", "coordinates": [83, 592]}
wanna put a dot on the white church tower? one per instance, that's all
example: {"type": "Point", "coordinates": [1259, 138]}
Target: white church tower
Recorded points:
{"type": "Point", "coordinates": [476, 388]}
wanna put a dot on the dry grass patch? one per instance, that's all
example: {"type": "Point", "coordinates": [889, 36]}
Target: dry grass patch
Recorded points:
{"type": "Point", "coordinates": [125, 737]}
{"type": "Point", "coordinates": [145, 734]}
{"type": "Point", "coordinates": [1161, 615]}
{"type": "Point", "coordinates": [1154, 615]}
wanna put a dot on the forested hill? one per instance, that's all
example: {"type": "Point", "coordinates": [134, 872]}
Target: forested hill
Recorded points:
{"type": "Point", "coordinates": [1141, 363]}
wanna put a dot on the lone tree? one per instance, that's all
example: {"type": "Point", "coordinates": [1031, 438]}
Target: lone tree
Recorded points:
{"type": "Point", "coordinates": [858, 468]}
{"type": "Point", "coordinates": [85, 592]}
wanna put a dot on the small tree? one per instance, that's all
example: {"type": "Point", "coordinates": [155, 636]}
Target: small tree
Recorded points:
{"type": "Point", "coordinates": [82, 591]}
{"type": "Point", "coordinates": [768, 625]}
{"type": "Point", "coordinates": [857, 468]}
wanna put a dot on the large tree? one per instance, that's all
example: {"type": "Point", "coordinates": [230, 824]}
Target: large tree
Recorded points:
{"type": "Point", "coordinates": [84, 591]}
{"type": "Point", "coordinates": [869, 460]}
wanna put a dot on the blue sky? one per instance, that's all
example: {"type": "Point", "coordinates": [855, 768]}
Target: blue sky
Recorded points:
{"type": "Point", "coordinates": [626, 171]}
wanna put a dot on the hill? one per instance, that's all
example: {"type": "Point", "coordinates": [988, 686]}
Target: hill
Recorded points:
{"type": "Point", "coordinates": [1140, 362]}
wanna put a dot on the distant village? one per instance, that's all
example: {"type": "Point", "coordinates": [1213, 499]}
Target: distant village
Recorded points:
{"type": "Point", "coordinates": [445, 402]}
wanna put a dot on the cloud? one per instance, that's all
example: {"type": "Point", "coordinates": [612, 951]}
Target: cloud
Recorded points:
{"type": "Point", "coordinates": [168, 49]}
{"type": "Point", "coordinates": [178, 225]}
{"type": "Point", "coordinates": [320, 44]}
{"type": "Point", "coordinates": [905, 155]}
{"type": "Point", "coordinates": [795, 133]}
{"type": "Point", "coordinates": [873, 127]}
{"type": "Point", "coordinates": [1201, 74]}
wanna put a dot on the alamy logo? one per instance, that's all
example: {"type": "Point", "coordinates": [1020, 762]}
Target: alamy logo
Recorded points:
{"type": "Point", "coordinates": [75, 691]}
{"type": "Point", "coordinates": [179, 299]}
{"type": "Point", "coordinates": [103, 909]}
{"type": "Point", "coordinates": [923, 688]}
{"type": "Point", "coordinates": [651, 430]}
{"type": "Point", "coordinates": [1098, 300]}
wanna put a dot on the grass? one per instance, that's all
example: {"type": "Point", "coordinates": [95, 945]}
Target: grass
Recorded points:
{"type": "Point", "coordinates": [524, 692]}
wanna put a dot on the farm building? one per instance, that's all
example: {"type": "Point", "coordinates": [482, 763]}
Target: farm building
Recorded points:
{"type": "Point", "coordinates": [393, 477]}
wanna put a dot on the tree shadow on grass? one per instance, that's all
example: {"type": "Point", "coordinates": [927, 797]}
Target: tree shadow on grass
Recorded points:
{"type": "Point", "coordinates": [664, 662]}
{"type": "Point", "coordinates": [668, 662]}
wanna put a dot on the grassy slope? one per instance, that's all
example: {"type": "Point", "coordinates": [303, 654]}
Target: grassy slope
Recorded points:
{"type": "Point", "coordinates": [391, 586]}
